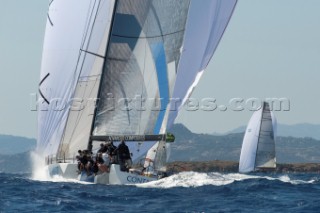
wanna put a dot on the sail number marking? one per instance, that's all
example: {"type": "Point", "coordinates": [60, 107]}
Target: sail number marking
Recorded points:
{"type": "Point", "coordinates": [133, 179]}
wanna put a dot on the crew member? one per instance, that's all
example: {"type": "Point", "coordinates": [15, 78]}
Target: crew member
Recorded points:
{"type": "Point", "coordinates": [124, 156]}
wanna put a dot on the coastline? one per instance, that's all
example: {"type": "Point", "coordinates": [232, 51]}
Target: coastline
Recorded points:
{"type": "Point", "coordinates": [231, 166]}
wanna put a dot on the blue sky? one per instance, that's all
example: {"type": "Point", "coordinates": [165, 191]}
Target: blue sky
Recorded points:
{"type": "Point", "coordinates": [271, 49]}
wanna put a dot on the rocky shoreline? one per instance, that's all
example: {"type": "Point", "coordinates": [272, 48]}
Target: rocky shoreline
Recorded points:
{"type": "Point", "coordinates": [230, 166]}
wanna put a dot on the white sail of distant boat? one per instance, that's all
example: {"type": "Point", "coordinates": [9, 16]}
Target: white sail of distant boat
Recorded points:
{"type": "Point", "coordinates": [111, 67]}
{"type": "Point", "coordinates": [258, 147]}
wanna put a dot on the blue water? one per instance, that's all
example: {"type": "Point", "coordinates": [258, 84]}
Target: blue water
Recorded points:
{"type": "Point", "coordinates": [184, 192]}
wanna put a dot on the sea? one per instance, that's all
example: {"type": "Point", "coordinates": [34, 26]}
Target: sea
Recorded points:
{"type": "Point", "coordinates": [183, 192]}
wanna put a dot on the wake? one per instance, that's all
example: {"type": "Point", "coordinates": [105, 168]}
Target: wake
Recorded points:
{"type": "Point", "coordinates": [195, 179]}
{"type": "Point", "coordinates": [183, 179]}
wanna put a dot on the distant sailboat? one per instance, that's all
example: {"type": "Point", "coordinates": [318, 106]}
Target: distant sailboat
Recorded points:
{"type": "Point", "coordinates": [134, 56]}
{"type": "Point", "coordinates": [258, 147]}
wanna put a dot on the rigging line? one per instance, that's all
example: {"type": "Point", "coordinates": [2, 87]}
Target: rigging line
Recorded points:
{"type": "Point", "coordinates": [103, 72]}
{"type": "Point", "coordinates": [156, 17]}
{"type": "Point", "coordinates": [74, 72]}
{"type": "Point", "coordinates": [89, 38]}
{"type": "Point", "coordinates": [84, 38]}
{"type": "Point", "coordinates": [80, 114]}
{"type": "Point", "coordinates": [90, 34]}
{"type": "Point", "coordinates": [95, 54]}
{"type": "Point", "coordinates": [78, 62]}
{"type": "Point", "coordinates": [41, 94]}
{"type": "Point", "coordinates": [87, 35]}
{"type": "Point", "coordinates": [146, 37]}
{"type": "Point", "coordinates": [89, 18]}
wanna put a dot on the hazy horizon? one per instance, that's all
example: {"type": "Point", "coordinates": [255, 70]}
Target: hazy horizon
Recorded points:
{"type": "Point", "coordinates": [234, 130]}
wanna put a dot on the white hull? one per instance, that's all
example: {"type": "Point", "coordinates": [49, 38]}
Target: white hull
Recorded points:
{"type": "Point", "coordinates": [117, 177]}
{"type": "Point", "coordinates": [65, 170]}
{"type": "Point", "coordinates": [114, 177]}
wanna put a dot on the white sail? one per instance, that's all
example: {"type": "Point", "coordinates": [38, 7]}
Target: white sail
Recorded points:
{"type": "Point", "coordinates": [142, 60]}
{"type": "Point", "coordinates": [82, 64]}
{"type": "Point", "coordinates": [266, 144]}
{"type": "Point", "coordinates": [250, 142]}
{"type": "Point", "coordinates": [131, 56]}
{"type": "Point", "coordinates": [91, 60]}
{"type": "Point", "coordinates": [258, 147]}
{"type": "Point", "coordinates": [207, 21]}
{"type": "Point", "coordinates": [74, 46]}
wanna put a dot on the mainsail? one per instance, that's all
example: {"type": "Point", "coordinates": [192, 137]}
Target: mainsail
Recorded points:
{"type": "Point", "coordinates": [111, 67]}
{"type": "Point", "coordinates": [140, 69]}
{"type": "Point", "coordinates": [258, 147]}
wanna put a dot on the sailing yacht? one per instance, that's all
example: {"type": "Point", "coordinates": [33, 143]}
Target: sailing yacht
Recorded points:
{"type": "Point", "coordinates": [258, 146]}
{"type": "Point", "coordinates": [110, 70]}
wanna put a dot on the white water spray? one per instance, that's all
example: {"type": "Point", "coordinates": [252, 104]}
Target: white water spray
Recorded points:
{"type": "Point", "coordinates": [195, 179]}
{"type": "Point", "coordinates": [39, 168]}
{"type": "Point", "coordinates": [40, 171]}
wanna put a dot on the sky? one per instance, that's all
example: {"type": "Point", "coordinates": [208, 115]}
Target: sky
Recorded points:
{"type": "Point", "coordinates": [271, 49]}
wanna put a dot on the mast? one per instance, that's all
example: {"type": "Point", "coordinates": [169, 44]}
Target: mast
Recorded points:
{"type": "Point", "coordinates": [101, 79]}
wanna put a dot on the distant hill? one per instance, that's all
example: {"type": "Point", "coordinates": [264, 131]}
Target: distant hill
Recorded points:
{"type": "Point", "coordinates": [10, 145]}
{"type": "Point", "coordinates": [15, 154]}
{"type": "Point", "coordinates": [188, 147]}
{"type": "Point", "coordinates": [205, 147]}
{"type": "Point", "coordinates": [17, 163]}
{"type": "Point", "coordinates": [296, 130]}
{"type": "Point", "coordinates": [232, 166]}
